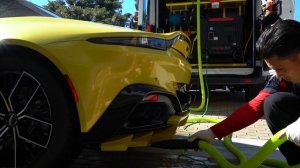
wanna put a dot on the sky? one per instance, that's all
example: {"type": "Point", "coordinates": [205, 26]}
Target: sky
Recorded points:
{"type": "Point", "coordinates": [128, 6]}
{"type": "Point", "coordinates": [297, 12]}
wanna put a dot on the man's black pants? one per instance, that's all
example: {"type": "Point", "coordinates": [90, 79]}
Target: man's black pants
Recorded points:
{"type": "Point", "coordinates": [280, 110]}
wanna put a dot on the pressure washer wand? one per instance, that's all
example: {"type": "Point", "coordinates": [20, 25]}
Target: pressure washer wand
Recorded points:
{"type": "Point", "coordinates": [176, 144]}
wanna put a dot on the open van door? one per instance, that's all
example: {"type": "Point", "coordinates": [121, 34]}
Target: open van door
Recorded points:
{"type": "Point", "coordinates": [228, 33]}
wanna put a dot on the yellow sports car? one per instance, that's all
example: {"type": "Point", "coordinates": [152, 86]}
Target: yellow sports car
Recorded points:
{"type": "Point", "coordinates": [66, 81]}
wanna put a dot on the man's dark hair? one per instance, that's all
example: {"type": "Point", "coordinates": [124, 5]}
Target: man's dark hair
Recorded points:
{"type": "Point", "coordinates": [281, 39]}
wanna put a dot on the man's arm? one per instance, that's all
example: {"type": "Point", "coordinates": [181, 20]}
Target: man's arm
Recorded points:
{"type": "Point", "coordinates": [240, 118]}
{"type": "Point", "coordinates": [244, 116]}
{"type": "Point", "coordinates": [251, 111]}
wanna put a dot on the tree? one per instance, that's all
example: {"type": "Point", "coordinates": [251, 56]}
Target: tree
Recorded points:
{"type": "Point", "coordinates": [105, 11]}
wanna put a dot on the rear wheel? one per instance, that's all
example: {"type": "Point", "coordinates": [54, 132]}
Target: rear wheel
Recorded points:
{"type": "Point", "coordinates": [38, 125]}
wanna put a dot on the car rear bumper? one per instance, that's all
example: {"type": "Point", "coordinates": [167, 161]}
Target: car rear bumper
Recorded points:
{"type": "Point", "coordinates": [141, 110]}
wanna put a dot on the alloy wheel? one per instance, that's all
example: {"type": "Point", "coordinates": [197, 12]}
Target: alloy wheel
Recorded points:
{"type": "Point", "coordinates": [25, 119]}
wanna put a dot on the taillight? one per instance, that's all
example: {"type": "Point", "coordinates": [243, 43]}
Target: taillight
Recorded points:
{"type": "Point", "coordinates": [151, 98]}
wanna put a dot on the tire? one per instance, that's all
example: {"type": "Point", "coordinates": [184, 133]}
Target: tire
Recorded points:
{"type": "Point", "coordinates": [38, 119]}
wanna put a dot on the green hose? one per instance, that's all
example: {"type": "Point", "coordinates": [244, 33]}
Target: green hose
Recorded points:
{"type": "Point", "coordinates": [259, 159]}
{"type": "Point", "coordinates": [200, 73]}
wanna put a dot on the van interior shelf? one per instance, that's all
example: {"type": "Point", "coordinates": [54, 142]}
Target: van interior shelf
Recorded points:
{"type": "Point", "coordinates": [185, 5]}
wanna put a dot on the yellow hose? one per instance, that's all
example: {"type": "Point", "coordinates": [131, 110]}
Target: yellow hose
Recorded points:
{"type": "Point", "coordinates": [200, 72]}
{"type": "Point", "coordinates": [259, 159]}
